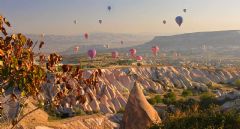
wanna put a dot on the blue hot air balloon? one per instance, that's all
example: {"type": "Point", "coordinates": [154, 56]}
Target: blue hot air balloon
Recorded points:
{"type": "Point", "coordinates": [179, 20]}
{"type": "Point", "coordinates": [109, 8]}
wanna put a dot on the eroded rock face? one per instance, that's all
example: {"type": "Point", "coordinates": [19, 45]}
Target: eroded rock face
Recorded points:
{"type": "Point", "coordinates": [111, 94]}
{"type": "Point", "coordinates": [139, 114]}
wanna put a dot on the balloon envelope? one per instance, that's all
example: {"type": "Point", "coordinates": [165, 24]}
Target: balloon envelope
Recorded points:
{"type": "Point", "coordinates": [155, 50]}
{"type": "Point", "coordinates": [75, 21]}
{"type": "Point", "coordinates": [114, 54]}
{"type": "Point", "coordinates": [184, 10]}
{"type": "Point", "coordinates": [109, 8]}
{"type": "Point", "coordinates": [100, 21]}
{"type": "Point", "coordinates": [122, 42]}
{"type": "Point", "coordinates": [133, 51]}
{"type": "Point", "coordinates": [139, 58]}
{"type": "Point", "coordinates": [179, 20]}
{"type": "Point", "coordinates": [76, 49]}
{"type": "Point", "coordinates": [92, 53]}
{"type": "Point", "coordinates": [86, 35]}
{"type": "Point", "coordinates": [42, 35]}
{"type": "Point", "coordinates": [164, 21]}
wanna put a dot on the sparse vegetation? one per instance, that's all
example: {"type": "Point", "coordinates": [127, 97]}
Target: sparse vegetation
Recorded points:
{"type": "Point", "coordinates": [169, 98]}
{"type": "Point", "coordinates": [186, 93]}
{"type": "Point", "coordinates": [237, 82]}
{"type": "Point", "coordinates": [156, 99]}
{"type": "Point", "coordinates": [203, 114]}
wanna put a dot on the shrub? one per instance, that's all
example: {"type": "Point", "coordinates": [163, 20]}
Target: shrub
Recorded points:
{"type": "Point", "coordinates": [156, 99]}
{"type": "Point", "coordinates": [204, 120]}
{"type": "Point", "coordinates": [152, 101]}
{"type": "Point", "coordinates": [169, 98]}
{"type": "Point", "coordinates": [207, 99]}
{"type": "Point", "coordinates": [186, 93]}
{"type": "Point", "coordinates": [237, 82]}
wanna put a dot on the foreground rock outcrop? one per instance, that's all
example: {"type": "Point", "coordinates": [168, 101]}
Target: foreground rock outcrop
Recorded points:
{"type": "Point", "coordinates": [139, 114]}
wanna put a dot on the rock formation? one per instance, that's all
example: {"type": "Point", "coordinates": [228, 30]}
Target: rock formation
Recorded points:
{"type": "Point", "coordinates": [139, 114]}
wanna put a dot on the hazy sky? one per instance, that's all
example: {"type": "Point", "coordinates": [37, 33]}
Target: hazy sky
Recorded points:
{"type": "Point", "coordinates": [127, 16]}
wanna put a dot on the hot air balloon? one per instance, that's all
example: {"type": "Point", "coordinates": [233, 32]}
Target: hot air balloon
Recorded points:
{"type": "Point", "coordinates": [184, 10]}
{"type": "Point", "coordinates": [86, 35]}
{"type": "Point", "coordinates": [179, 20]}
{"type": "Point", "coordinates": [114, 54]}
{"type": "Point", "coordinates": [155, 50]}
{"type": "Point", "coordinates": [109, 8]}
{"type": "Point", "coordinates": [164, 21]}
{"type": "Point", "coordinates": [42, 35]}
{"type": "Point", "coordinates": [75, 21]}
{"type": "Point", "coordinates": [133, 52]}
{"type": "Point", "coordinates": [164, 55]}
{"type": "Point", "coordinates": [121, 42]}
{"type": "Point", "coordinates": [139, 58]}
{"type": "Point", "coordinates": [100, 21]}
{"type": "Point", "coordinates": [76, 49]}
{"type": "Point", "coordinates": [92, 53]}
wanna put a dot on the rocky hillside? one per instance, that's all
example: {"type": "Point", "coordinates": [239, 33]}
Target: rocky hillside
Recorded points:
{"type": "Point", "coordinates": [111, 94]}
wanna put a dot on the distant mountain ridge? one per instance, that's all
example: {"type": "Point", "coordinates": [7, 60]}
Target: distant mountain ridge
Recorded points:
{"type": "Point", "coordinates": [224, 42]}
{"type": "Point", "coordinates": [61, 43]}
{"type": "Point", "coordinates": [193, 40]}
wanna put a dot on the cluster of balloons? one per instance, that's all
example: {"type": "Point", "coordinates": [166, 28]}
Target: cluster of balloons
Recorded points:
{"type": "Point", "coordinates": [155, 49]}
{"type": "Point", "coordinates": [178, 19]}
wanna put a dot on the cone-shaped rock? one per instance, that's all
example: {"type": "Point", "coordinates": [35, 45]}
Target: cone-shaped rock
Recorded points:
{"type": "Point", "coordinates": [139, 114]}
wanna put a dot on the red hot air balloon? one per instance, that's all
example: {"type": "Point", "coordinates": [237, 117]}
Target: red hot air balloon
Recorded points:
{"type": "Point", "coordinates": [139, 58]}
{"type": "Point", "coordinates": [92, 53]}
{"type": "Point", "coordinates": [155, 50]}
{"type": "Point", "coordinates": [114, 54]}
{"type": "Point", "coordinates": [86, 35]}
{"type": "Point", "coordinates": [133, 52]}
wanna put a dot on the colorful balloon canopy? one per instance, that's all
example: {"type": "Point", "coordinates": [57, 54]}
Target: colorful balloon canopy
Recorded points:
{"type": "Point", "coordinates": [155, 50]}
{"type": "Point", "coordinates": [114, 54]}
{"type": "Point", "coordinates": [179, 20]}
{"type": "Point", "coordinates": [133, 52]}
{"type": "Point", "coordinates": [139, 58]}
{"type": "Point", "coordinates": [86, 35]}
{"type": "Point", "coordinates": [92, 53]}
